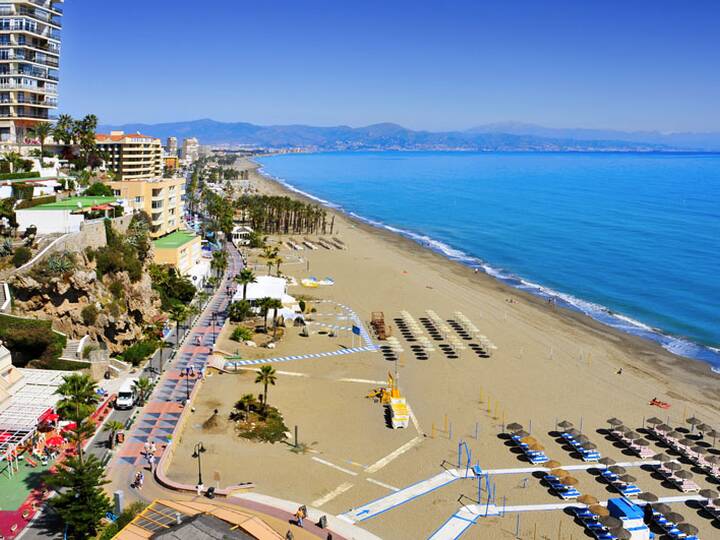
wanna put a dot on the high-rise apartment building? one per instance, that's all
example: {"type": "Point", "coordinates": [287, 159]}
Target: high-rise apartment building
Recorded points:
{"type": "Point", "coordinates": [131, 156]}
{"type": "Point", "coordinates": [29, 62]}
{"type": "Point", "coordinates": [171, 147]}
{"type": "Point", "coordinates": [190, 149]}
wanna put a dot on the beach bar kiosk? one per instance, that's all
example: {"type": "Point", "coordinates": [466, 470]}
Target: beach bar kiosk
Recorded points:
{"type": "Point", "coordinates": [632, 517]}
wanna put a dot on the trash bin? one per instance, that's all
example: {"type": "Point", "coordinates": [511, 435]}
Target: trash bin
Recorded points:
{"type": "Point", "coordinates": [210, 493]}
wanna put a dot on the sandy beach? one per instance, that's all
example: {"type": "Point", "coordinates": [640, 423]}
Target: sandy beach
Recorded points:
{"type": "Point", "coordinates": [549, 364]}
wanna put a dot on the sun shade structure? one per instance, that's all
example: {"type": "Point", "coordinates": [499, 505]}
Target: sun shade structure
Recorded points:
{"type": "Point", "coordinates": [615, 422]}
{"type": "Point", "coordinates": [565, 424]}
{"type": "Point", "coordinates": [649, 497]}
{"type": "Point", "coordinates": [610, 522]}
{"type": "Point", "coordinates": [653, 420]}
{"type": "Point", "coordinates": [607, 461]}
{"type": "Point", "coordinates": [708, 493]}
{"type": "Point", "coordinates": [599, 510]}
{"type": "Point", "coordinates": [620, 533]}
{"type": "Point", "coordinates": [687, 528]}
{"type": "Point", "coordinates": [675, 517]}
{"type": "Point", "coordinates": [587, 499]}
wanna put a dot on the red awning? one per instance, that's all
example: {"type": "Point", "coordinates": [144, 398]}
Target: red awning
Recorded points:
{"type": "Point", "coordinates": [55, 441]}
{"type": "Point", "coordinates": [69, 427]}
{"type": "Point", "coordinates": [102, 207]}
{"type": "Point", "coordinates": [45, 417]}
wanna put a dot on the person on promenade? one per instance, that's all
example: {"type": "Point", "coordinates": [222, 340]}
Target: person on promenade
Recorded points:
{"type": "Point", "coordinates": [199, 489]}
{"type": "Point", "coordinates": [299, 517]}
{"type": "Point", "coordinates": [153, 448]}
{"type": "Point", "coordinates": [151, 462]}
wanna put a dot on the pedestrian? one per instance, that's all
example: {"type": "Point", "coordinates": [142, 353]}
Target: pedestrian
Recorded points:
{"type": "Point", "coordinates": [199, 489]}
{"type": "Point", "coordinates": [151, 462]}
{"type": "Point", "coordinates": [141, 479]}
{"type": "Point", "coordinates": [299, 517]}
{"type": "Point", "coordinates": [153, 449]}
{"type": "Point", "coordinates": [146, 448]}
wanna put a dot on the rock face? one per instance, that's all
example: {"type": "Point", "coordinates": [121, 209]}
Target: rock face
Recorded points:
{"type": "Point", "coordinates": [120, 319]}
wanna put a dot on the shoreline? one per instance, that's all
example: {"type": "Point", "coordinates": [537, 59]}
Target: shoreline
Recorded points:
{"type": "Point", "coordinates": [680, 346]}
{"type": "Point", "coordinates": [654, 358]}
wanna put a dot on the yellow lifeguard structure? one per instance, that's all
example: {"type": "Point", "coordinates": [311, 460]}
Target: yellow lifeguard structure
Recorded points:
{"type": "Point", "coordinates": [390, 397]}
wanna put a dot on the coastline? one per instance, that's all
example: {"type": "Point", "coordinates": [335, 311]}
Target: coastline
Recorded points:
{"type": "Point", "coordinates": [653, 357]}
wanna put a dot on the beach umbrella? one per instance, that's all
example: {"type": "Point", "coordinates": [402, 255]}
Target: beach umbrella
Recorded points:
{"type": "Point", "coordinates": [693, 421]}
{"type": "Point", "coordinates": [599, 510]}
{"type": "Point", "coordinates": [674, 435]}
{"type": "Point", "coordinates": [617, 469]}
{"type": "Point", "coordinates": [569, 481]}
{"type": "Point", "coordinates": [513, 427]}
{"type": "Point", "coordinates": [607, 461]}
{"type": "Point", "coordinates": [529, 439]}
{"type": "Point", "coordinates": [610, 522]}
{"type": "Point", "coordinates": [560, 473]}
{"type": "Point", "coordinates": [662, 508]}
{"type": "Point", "coordinates": [573, 432]}
{"type": "Point", "coordinates": [649, 497]}
{"type": "Point", "coordinates": [632, 435]}
{"type": "Point", "coordinates": [699, 449]}
{"type": "Point", "coordinates": [587, 499]}
{"type": "Point", "coordinates": [685, 475]}
{"type": "Point", "coordinates": [716, 502]}
{"type": "Point", "coordinates": [625, 430]}
{"type": "Point", "coordinates": [641, 442]}
{"type": "Point", "coordinates": [55, 441]}
{"type": "Point", "coordinates": [537, 447]}
{"type": "Point", "coordinates": [620, 533]}
{"type": "Point", "coordinates": [664, 428]}
{"type": "Point", "coordinates": [704, 427]}
{"type": "Point", "coordinates": [688, 529]}
{"type": "Point", "coordinates": [615, 422]}
{"type": "Point", "coordinates": [708, 493]}
{"type": "Point", "coordinates": [628, 478]}
{"type": "Point", "coordinates": [672, 466]}
{"type": "Point", "coordinates": [565, 424]}
{"type": "Point", "coordinates": [552, 464]}
{"type": "Point", "coordinates": [582, 439]}
{"type": "Point", "coordinates": [589, 446]}
{"type": "Point", "coordinates": [662, 457]}
{"type": "Point", "coordinates": [713, 460]}
{"type": "Point", "coordinates": [686, 442]}
{"type": "Point", "coordinates": [654, 420]}
{"type": "Point", "coordinates": [521, 434]}
{"type": "Point", "coordinates": [674, 517]}
{"type": "Point", "coordinates": [712, 433]}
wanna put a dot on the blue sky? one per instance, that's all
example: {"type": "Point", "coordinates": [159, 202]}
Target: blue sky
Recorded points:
{"type": "Point", "coordinates": [426, 65]}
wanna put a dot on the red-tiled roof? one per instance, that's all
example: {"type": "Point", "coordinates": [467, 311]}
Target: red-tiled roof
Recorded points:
{"type": "Point", "coordinates": [107, 137]}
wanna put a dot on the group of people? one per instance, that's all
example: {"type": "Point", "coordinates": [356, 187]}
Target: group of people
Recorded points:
{"type": "Point", "coordinates": [149, 451]}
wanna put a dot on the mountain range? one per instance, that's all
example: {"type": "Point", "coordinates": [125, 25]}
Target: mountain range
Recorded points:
{"type": "Point", "coordinates": [387, 136]}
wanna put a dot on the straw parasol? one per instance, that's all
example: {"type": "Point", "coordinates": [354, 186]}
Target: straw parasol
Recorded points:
{"type": "Point", "coordinates": [589, 446]}
{"type": "Point", "coordinates": [688, 529]}
{"type": "Point", "coordinates": [528, 439]}
{"type": "Point", "coordinates": [713, 460]}
{"type": "Point", "coordinates": [582, 439]}
{"type": "Point", "coordinates": [704, 427]}
{"type": "Point", "coordinates": [674, 517]}
{"type": "Point", "coordinates": [674, 434]}
{"type": "Point", "coordinates": [615, 422]}
{"type": "Point", "coordinates": [513, 427]}
{"type": "Point", "coordinates": [536, 446]}
{"type": "Point", "coordinates": [716, 502]}
{"type": "Point", "coordinates": [573, 432]}
{"type": "Point", "coordinates": [699, 449]}
{"type": "Point", "coordinates": [569, 481]}
{"type": "Point", "coordinates": [565, 424]}
{"type": "Point", "coordinates": [654, 420]}
{"type": "Point", "coordinates": [610, 522]}
{"type": "Point", "coordinates": [620, 533]}
{"type": "Point", "coordinates": [633, 435]}
{"type": "Point", "coordinates": [712, 433]}
{"type": "Point", "coordinates": [617, 469]}
{"type": "Point", "coordinates": [686, 442]}
{"type": "Point", "coordinates": [662, 457]}
{"type": "Point", "coordinates": [560, 473]}
{"type": "Point", "coordinates": [607, 461]}
{"type": "Point", "coordinates": [599, 510]}
{"type": "Point", "coordinates": [552, 464]}
{"type": "Point", "coordinates": [662, 508]}
{"type": "Point", "coordinates": [673, 466]}
{"type": "Point", "coordinates": [649, 497]}
{"type": "Point", "coordinates": [685, 475]}
{"type": "Point", "coordinates": [587, 499]}
{"type": "Point", "coordinates": [521, 434]}
{"type": "Point", "coordinates": [664, 428]}
{"type": "Point", "coordinates": [693, 421]}
{"type": "Point", "coordinates": [628, 478]}
{"type": "Point", "coordinates": [642, 442]}
{"type": "Point", "coordinates": [708, 493]}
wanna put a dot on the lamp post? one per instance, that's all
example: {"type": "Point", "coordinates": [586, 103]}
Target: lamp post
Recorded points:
{"type": "Point", "coordinates": [187, 383]}
{"type": "Point", "coordinates": [197, 452]}
{"type": "Point", "coordinates": [214, 313]}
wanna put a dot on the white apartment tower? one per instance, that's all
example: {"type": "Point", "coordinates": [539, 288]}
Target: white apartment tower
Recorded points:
{"type": "Point", "coordinates": [172, 148]}
{"type": "Point", "coordinates": [29, 62]}
{"type": "Point", "coordinates": [190, 149]}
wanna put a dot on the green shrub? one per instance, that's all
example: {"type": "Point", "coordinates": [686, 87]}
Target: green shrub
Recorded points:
{"type": "Point", "coordinates": [241, 333]}
{"type": "Point", "coordinates": [89, 315]}
{"type": "Point", "coordinates": [117, 289]}
{"type": "Point", "coordinates": [139, 351]}
{"type": "Point", "coordinates": [171, 286]}
{"type": "Point", "coordinates": [21, 256]}
{"type": "Point", "coordinates": [114, 309]}
{"type": "Point", "coordinates": [32, 340]}
{"type": "Point", "coordinates": [18, 175]}
{"type": "Point", "coordinates": [239, 311]}
{"type": "Point", "coordinates": [98, 189]}
{"type": "Point", "coordinates": [22, 190]}
{"type": "Point", "coordinates": [35, 202]}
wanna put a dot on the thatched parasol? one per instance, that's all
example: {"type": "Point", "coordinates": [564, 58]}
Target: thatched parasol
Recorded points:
{"type": "Point", "coordinates": [649, 497]}
{"type": "Point", "coordinates": [654, 420]}
{"type": "Point", "coordinates": [617, 469]}
{"type": "Point", "coordinates": [560, 473]}
{"type": "Point", "coordinates": [699, 449]}
{"type": "Point", "coordinates": [704, 427]}
{"type": "Point", "coordinates": [521, 434]}
{"type": "Point", "coordinates": [573, 432]}
{"type": "Point", "coordinates": [610, 522]}
{"type": "Point", "coordinates": [685, 475]}
{"type": "Point", "coordinates": [672, 466]}
{"type": "Point", "coordinates": [615, 422]}
{"type": "Point", "coordinates": [628, 478]}
{"type": "Point", "coordinates": [662, 457]}
{"type": "Point", "coordinates": [582, 439]}
{"type": "Point", "coordinates": [569, 481]}
{"type": "Point", "coordinates": [599, 510]}
{"type": "Point", "coordinates": [674, 517]}
{"type": "Point", "coordinates": [620, 533]}
{"type": "Point", "coordinates": [565, 424]}
{"type": "Point", "coordinates": [632, 435]}
{"type": "Point", "coordinates": [674, 434]}
{"type": "Point", "coordinates": [587, 499]}
{"type": "Point", "coordinates": [589, 446]}
{"type": "Point", "coordinates": [693, 421]}
{"type": "Point", "coordinates": [536, 446]}
{"type": "Point", "coordinates": [641, 442]}
{"type": "Point", "coordinates": [552, 464]}
{"type": "Point", "coordinates": [607, 461]}
{"type": "Point", "coordinates": [513, 427]}
{"type": "Point", "coordinates": [708, 493]}
{"type": "Point", "coordinates": [687, 528]}
{"type": "Point", "coordinates": [713, 460]}
{"type": "Point", "coordinates": [716, 502]}
{"type": "Point", "coordinates": [664, 428]}
{"type": "Point", "coordinates": [662, 508]}
{"type": "Point", "coordinates": [686, 442]}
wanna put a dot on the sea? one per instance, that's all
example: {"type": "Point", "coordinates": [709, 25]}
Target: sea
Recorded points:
{"type": "Point", "coordinates": [630, 239]}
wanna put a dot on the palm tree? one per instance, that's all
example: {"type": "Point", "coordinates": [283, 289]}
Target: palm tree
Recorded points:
{"type": "Point", "coordinates": [143, 387]}
{"type": "Point", "coordinates": [266, 377]}
{"type": "Point", "coordinates": [42, 131]}
{"type": "Point", "coordinates": [219, 262]}
{"type": "Point", "coordinates": [79, 397]}
{"type": "Point", "coordinates": [269, 254]}
{"type": "Point", "coordinates": [264, 305]}
{"type": "Point", "coordinates": [15, 161]}
{"type": "Point", "coordinates": [244, 278]}
{"type": "Point", "coordinates": [62, 131]}
{"type": "Point", "coordinates": [274, 304]}
{"type": "Point", "coordinates": [278, 261]}
{"type": "Point", "coordinates": [178, 314]}
{"type": "Point", "coordinates": [114, 427]}
{"type": "Point", "coordinates": [84, 430]}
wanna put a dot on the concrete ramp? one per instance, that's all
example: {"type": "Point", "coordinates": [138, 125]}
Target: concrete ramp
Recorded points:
{"type": "Point", "coordinates": [457, 524]}
{"type": "Point", "coordinates": [405, 495]}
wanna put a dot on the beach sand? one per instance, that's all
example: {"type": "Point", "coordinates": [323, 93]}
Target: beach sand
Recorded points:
{"type": "Point", "coordinates": [550, 364]}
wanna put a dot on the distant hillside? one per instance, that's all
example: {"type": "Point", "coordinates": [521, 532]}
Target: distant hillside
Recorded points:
{"type": "Point", "coordinates": [386, 136]}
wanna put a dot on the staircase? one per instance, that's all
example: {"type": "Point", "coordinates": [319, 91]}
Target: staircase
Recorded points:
{"type": "Point", "coordinates": [5, 303]}
{"type": "Point", "coordinates": [117, 368]}
{"type": "Point", "coordinates": [72, 350]}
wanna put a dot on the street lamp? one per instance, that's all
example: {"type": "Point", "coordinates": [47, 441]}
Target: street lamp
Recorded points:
{"type": "Point", "coordinates": [187, 383]}
{"type": "Point", "coordinates": [197, 452]}
{"type": "Point", "coordinates": [214, 314]}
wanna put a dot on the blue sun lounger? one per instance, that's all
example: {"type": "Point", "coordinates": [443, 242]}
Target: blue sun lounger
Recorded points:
{"type": "Point", "coordinates": [629, 490]}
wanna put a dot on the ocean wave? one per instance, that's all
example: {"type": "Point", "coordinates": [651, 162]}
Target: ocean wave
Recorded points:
{"type": "Point", "coordinates": [676, 345]}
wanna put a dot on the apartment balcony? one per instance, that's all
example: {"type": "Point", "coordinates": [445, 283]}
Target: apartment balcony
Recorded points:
{"type": "Point", "coordinates": [29, 115]}
{"type": "Point", "coordinates": [157, 219]}
{"type": "Point", "coordinates": [46, 4]}
{"type": "Point", "coordinates": [28, 103]}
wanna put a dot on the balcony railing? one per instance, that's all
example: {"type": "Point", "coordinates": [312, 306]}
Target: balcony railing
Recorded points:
{"type": "Point", "coordinates": [27, 88]}
{"type": "Point", "coordinates": [28, 115]}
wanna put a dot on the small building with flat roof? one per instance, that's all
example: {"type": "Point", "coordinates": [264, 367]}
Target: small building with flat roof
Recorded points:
{"type": "Point", "coordinates": [183, 251]}
{"type": "Point", "coordinates": [66, 215]}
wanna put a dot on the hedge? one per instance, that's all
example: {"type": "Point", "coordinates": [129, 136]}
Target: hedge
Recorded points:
{"type": "Point", "coordinates": [29, 203]}
{"type": "Point", "coordinates": [10, 325]}
{"type": "Point", "coordinates": [18, 175]}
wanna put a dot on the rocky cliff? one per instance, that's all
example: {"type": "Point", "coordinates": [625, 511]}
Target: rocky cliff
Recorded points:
{"type": "Point", "coordinates": [122, 308]}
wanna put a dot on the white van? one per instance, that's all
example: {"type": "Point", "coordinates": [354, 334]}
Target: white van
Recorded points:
{"type": "Point", "coordinates": [126, 396]}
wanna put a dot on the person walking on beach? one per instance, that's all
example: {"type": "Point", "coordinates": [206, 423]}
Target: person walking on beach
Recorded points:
{"type": "Point", "coordinates": [151, 462]}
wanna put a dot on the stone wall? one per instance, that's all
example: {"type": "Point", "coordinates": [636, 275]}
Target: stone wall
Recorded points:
{"type": "Point", "coordinates": [90, 235]}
